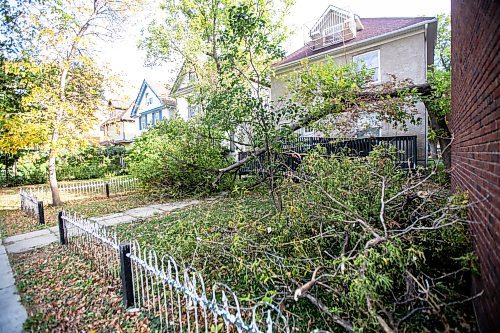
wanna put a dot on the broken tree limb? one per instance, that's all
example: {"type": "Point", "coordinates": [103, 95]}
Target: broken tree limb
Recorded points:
{"type": "Point", "coordinates": [422, 89]}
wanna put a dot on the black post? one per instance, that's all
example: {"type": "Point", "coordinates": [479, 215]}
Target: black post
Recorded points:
{"type": "Point", "coordinates": [41, 215]}
{"type": "Point", "coordinates": [62, 230]}
{"type": "Point", "coordinates": [107, 189]}
{"type": "Point", "coordinates": [126, 274]}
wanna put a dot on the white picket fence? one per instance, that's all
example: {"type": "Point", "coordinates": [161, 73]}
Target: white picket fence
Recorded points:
{"type": "Point", "coordinates": [86, 189]}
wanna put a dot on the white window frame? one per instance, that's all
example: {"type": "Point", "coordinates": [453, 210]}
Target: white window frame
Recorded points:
{"type": "Point", "coordinates": [359, 56]}
{"type": "Point", "coordinates": [144, 122]}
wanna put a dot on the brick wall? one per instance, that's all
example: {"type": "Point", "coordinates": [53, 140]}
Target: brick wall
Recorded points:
{"type": "Point", "coordinates": [475, 124]}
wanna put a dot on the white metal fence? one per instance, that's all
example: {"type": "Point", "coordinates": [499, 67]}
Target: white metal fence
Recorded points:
{"type": "Point", "coordinates": [176, 299]}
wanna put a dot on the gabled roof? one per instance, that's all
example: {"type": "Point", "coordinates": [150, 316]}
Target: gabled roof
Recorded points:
{"type": "Point", "coordinates": [120, 112]}
{"type": "Point", "coordinates": [373, 27]}
{"type": "Point", "coordinates": [161, 91]}
{"type": "Point", "coordinates": [177, 88]}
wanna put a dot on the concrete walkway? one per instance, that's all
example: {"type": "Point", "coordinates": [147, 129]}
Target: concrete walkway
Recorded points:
{"type": "Point", "coordinates": [12, 314]}
{"type": "Point", "coordinates": [40, 238]}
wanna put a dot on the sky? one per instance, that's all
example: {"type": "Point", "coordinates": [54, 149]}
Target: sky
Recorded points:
{"type": "Point", "coordinates": [125, 59]}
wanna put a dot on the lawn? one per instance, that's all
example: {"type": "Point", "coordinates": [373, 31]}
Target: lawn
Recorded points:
{"type": "Point", "coordinates": [15, 221]}
{"type": "Point", "coordinates": [63, 293]}
{"type": "Point", "coordinates": [210, 237]}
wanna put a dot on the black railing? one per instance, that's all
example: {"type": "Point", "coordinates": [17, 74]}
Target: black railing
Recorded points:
{"type": "Point", "coordinates": [293, 151]}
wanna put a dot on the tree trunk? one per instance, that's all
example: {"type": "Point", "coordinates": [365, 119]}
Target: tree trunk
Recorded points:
{"type": "Point", "coordinates": [56, 198]}
{"type": "Point", "coordinates": [440, 126]}
{"type": "Point", "coordinates": [433, 149]}
{"type": "Point", "coordinates": [445, 144]}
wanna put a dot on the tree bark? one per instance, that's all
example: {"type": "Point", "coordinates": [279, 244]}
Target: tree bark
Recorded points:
{"type": "Point", "coordinates": [440, 126]}
{"type": "Point", "coordinates": [56, 197]}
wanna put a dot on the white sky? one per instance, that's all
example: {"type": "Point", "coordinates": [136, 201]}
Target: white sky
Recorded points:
{"type": "Point", "coordinates": [123, 56]}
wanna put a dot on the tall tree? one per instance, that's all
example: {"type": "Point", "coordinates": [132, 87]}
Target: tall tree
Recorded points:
{"type": "Point", "coordinates": [438, 103]}
{"type": "Point", "coordinates": [231, 46]}
{"type": "Point", "coordinates": [65, 101]}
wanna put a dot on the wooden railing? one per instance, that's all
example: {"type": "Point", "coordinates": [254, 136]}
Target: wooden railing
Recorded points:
{"type": "Point", "coordinates": [293, 151]}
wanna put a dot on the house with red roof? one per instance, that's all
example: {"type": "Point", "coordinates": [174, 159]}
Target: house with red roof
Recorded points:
{"type": "Point", "coordinates": [400, 47]}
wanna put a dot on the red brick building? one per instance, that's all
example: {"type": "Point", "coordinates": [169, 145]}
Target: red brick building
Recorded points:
{"type": "Point", "coordinates": [475, 123]}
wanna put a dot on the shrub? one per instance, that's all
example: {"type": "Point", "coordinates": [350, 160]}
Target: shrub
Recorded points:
{"type": "Point", "coordinates": [91, 162]}
{"type": "Point", "coordinates": [176, 158]}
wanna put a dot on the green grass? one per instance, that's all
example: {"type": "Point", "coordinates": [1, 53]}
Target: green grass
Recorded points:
{"type": "Point", "coordinates": [211, 237]}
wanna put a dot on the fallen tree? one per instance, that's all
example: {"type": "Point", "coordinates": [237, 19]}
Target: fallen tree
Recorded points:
{"type": "Point", "coordinates": [345, 106]}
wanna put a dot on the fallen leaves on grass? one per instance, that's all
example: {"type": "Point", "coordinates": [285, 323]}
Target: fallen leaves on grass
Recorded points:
{"type": "Point", "coordinates": [63, 293]}
{"type": "Point", "coordinates": [13, 222]}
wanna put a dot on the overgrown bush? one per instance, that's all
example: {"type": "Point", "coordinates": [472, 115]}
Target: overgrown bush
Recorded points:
{"type": "Point", "coordinates": [25, 169]}
{"type": "Point", "coordinates": [175, 158]}
{"type": "Point", "coordinates": [335, 258]}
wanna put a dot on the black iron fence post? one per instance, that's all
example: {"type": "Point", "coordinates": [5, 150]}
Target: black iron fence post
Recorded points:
{"type": "Point", "coordinates": [41, 214]}
{"type": "Point", "coordinates": [107, 189]}
{"type": "Point", "coordinates": [126, 274]}
{"type": "Point", "coordinates": [62, 229]}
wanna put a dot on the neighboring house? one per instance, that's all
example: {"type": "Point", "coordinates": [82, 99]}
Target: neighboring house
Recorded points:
{"type": "Point", "coordinates": [153, 104]}
{"type": "Point", "coordinates": [119, 128]}
{"type": "Point", "coordinates": [403, 47]}
{"type": "Point", "coordinates": [182, 89]}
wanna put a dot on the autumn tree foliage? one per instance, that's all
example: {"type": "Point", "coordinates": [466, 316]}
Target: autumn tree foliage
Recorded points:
{"type": "Point", "coordinates": [59, 105]}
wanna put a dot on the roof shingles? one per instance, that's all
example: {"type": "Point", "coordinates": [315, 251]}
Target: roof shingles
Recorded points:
{"type": "Point", "coordinates": [373, 27]}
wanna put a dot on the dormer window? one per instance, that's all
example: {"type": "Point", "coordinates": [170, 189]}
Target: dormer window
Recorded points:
{"type": "Point", "coordinates": [372, 61]}
{"type": "Point", "coordinates": [336, 25]}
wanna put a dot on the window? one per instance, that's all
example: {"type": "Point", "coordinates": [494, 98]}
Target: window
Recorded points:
{"type": "Point", "coordinates": [368, 126]}
{"type": "Point", "coordinates": [143, 122]}
{"type": "Point", "coordinates": [191, 111]}
{"type": "Point", "coordinates": [147, 99]}
{"type": "Point", "coordinates": [371, 60]}
{"type": "Point", "coordinates": [191, 76]}
{"type": "Point", "coordinates": [306, 131]}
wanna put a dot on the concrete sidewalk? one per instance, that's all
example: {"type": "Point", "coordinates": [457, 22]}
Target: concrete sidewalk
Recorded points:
{"type": "Point", "coordinates": [12, 314]}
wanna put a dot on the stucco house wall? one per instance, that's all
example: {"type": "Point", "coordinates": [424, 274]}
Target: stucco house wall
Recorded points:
{"type": "Point", "coordinates": [404, 56]}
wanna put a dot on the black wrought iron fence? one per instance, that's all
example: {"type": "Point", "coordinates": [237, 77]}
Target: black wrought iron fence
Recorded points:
{"type": "Point", "coordinates": [293, 151]}
{"type": "Point", "coordinates": [32, 205]}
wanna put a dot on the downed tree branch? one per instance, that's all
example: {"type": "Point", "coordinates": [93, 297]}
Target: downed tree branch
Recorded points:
{"type": "Point", "coordinates": [423, 89]}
